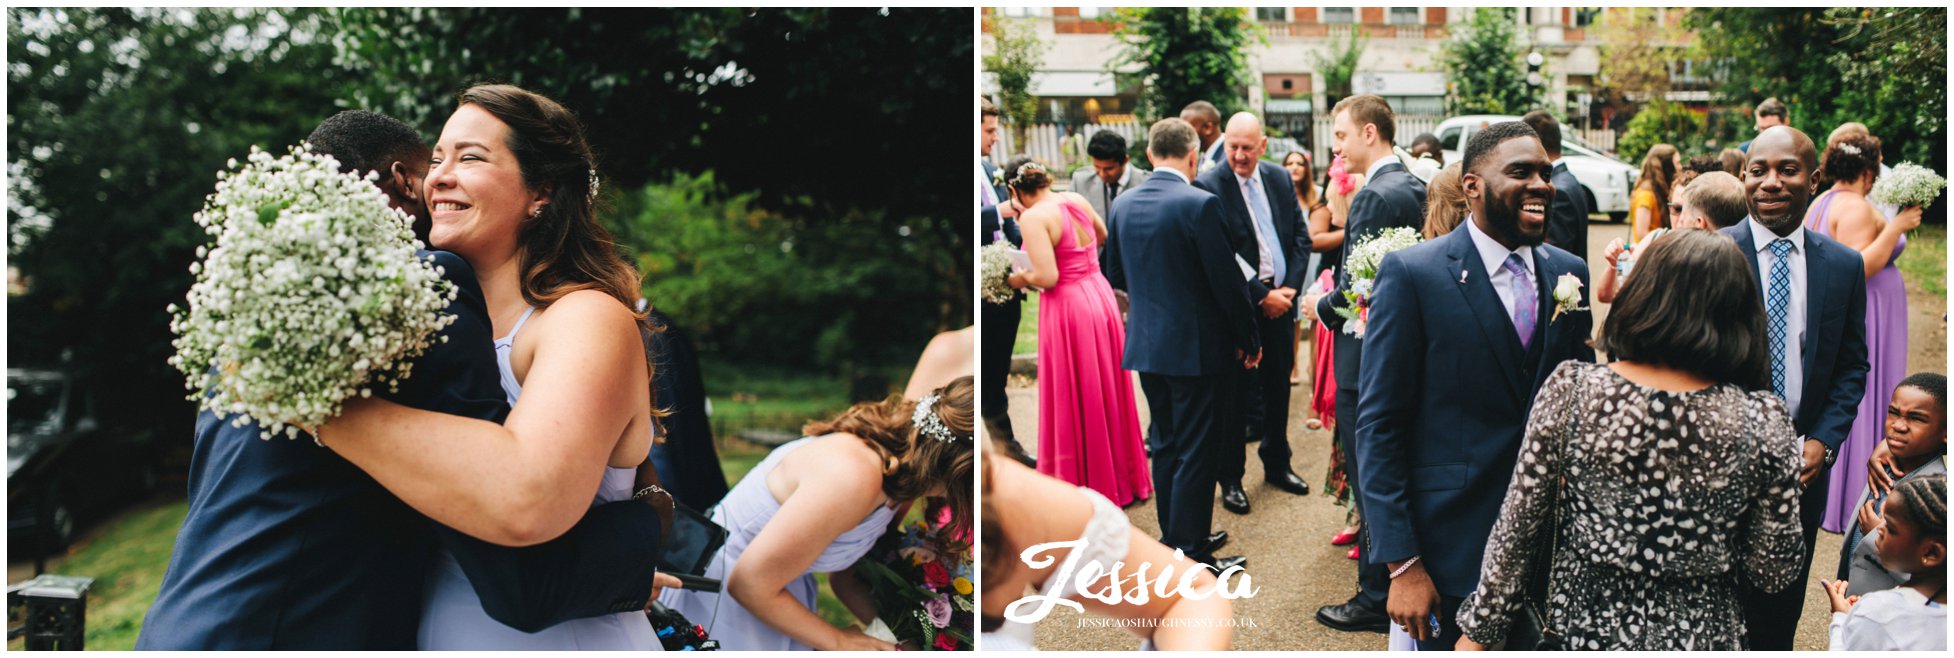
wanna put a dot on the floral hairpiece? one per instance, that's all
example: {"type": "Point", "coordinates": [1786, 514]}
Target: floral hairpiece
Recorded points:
{"type": "Point", "coordinates": [1031, 165]}
{"type": "Point", "coordinates": [927, 422]}
{"type": "Point", "coordinates": [1849, 149]}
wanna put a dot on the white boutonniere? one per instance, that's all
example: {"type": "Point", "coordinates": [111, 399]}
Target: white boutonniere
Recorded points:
{"type": "Point", "coordinates": [1567, 296]}
{"type": "Point", "coordinates": [1203, 168]}
{"type": "Point", "coordinates": [997, 177]}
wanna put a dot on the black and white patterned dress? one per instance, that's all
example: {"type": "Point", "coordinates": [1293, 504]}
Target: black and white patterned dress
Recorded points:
{"type": "Point", "coordinates": [1670, 501]}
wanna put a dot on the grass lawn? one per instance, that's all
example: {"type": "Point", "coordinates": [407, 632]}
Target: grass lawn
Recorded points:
{"type": "Point", "coordinates": [1924, 265]}
{"type": "Point", "coordinates": [1028, 326]}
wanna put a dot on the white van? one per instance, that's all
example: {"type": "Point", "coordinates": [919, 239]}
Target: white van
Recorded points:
{"type": "Point", "coordinates": [1608, 181]}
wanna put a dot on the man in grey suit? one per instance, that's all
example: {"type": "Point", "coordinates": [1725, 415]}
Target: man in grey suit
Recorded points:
{"type": "Point", "coordinates": [1110, 174]}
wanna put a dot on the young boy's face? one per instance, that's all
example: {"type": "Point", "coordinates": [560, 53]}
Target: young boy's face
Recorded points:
{"type": "Point", "coordinates": [1689, 218]}
{"type": "Point", "coordinates": [1902, 546]}
{"type": "Point", "coordinates": [1916, 426]}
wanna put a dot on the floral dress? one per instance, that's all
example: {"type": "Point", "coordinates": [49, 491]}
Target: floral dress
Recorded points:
{"type": "Point", "coordinates": [1669, 501]}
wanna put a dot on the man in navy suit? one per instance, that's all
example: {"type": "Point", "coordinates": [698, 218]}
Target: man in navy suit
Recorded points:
{"type": "Point", "coordinates": [1190, 331]}
{"type": "Point", "coordinates": [999, 332]}
{"type": "Point", "coordinates": [1206, 120]}
{"type": "Point", "coordinates": [1815, 309]}
{"type": "Point", "coordinates": [289, 546]}
{"type": "Point", "coordinates": [1363, 132]}
{"type": "Point", "coordinates": [1462, 331]}
{"type": "Point", "coordinates": [1267, 230]}
{"type": "Point", "coordinates": [1567, 221]}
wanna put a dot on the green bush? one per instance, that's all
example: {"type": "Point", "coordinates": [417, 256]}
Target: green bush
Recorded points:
{"type": "Point", "coordinates": [1661, 123]}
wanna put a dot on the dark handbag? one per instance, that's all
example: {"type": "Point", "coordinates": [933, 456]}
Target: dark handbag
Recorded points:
{"type": "Point", "coordinates": [694, 541]}
{"type": "Point", "coordinates": [1530, 631]}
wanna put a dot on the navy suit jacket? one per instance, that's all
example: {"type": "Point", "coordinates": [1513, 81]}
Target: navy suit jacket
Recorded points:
{"type": "Point", "coordinates": [289, 546]}
{"type": "Point", "coordinates": [1292, 231]}
{"type": "Point", "coordinates": [1395, 198]}
{"type": "Point", "coordinates": [1835, 334]}
{"type": "Point", "coordinates": [1567, 219]}
{"type": "Point", "coordinates": [1446, 392]}
{"type": "Point", "coordinates": [1189, 309]}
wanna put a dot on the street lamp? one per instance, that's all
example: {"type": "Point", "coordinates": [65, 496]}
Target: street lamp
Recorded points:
{"type": "Point", "coordinates": [1534, 60]}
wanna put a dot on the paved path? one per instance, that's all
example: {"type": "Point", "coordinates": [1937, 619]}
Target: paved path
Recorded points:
{"type": "Point", "coordinates": [1286, 538]}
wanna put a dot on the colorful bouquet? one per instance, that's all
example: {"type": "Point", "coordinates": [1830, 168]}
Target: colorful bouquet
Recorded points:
{"type": "Point", "coordinates": [923, 587]}
{"type": "Point", "coordinates": [1363, 262]}
{"type": "Point", "coordinates": [310, 293]}
{"type": "Point", "coordinates": [1908, 185]}
{"type": "Point", "coordinates": [995, 261]}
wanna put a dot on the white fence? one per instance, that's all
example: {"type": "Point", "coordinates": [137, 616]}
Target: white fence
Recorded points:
{"type": "Point", "coordinates": [1063, 147]}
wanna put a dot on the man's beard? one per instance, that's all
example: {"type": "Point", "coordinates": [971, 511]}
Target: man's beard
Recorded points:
{"type": "Point", "coordinates": [1793, 216]}
{"type": "Point", "coordinates": [1504, 221]}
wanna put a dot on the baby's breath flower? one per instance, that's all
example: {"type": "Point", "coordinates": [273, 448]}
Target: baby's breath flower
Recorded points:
{"type": "Point", "coordinates": [996, 273]}
{"type": "Point", "coordinates": [1364, 261]}
{"type": "Point", "coordinates": [1908, 185]}
{"type": "Point", "coordinates": [271, 332]}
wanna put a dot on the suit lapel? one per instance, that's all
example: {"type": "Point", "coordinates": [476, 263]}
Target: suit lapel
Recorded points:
{"type": "Point", "coordinates": [1543, 297]}
{"type": "Point", "coordinates": [1477, 288]}
{"type": "Point", "coordinates": [1816, 288]}
{"type": "Point", "coordinates": [1269, 192]}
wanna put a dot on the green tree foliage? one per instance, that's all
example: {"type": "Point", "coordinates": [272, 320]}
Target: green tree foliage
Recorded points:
{"type": "Point", "coordinates": [1662, 122]}
{"type": "Point", "coordinates": [1884, 67]}
{"type": "Point", "coordinates": [1337, 63]}
{"type": "Point", "coordinates": [118, 121]}
{"type": "Point", "coordinates": [1187, 54]}
{"type": "Point", "coordinates": [1486, 67]}
{"type": "Point", "coordinates": [1016, 53]}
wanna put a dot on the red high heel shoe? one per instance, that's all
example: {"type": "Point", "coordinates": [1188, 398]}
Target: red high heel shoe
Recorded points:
{"type": "Point", "coordinates": [1353, 553]}
{"type": "Point", "coordinates": [1345, 538]}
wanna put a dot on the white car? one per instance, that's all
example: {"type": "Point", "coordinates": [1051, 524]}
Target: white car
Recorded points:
{"type": "Point", "coordinates": [1608, 181]}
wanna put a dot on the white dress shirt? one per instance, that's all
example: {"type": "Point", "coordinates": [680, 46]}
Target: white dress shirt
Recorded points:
{"type": "Point", "coordinates": [1794, 317]}
{"type": "Point", "coordinates": [986, 194]}
{"type": "Point", "coordinates": [1252, 185]}
{"type": "Point", "coordinates": [1900, 619]}
{"type": "Point", "coordinates": [1493, 255]}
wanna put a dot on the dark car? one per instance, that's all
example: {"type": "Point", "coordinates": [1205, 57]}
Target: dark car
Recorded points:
{"type": "Point", "coordinates": [64, 466]}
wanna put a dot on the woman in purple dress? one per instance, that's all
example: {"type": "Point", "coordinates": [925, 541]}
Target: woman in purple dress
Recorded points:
{"type": "Point", "coordinates": [1852, 164]}
{"type": "Point", "coordinates": [1088, 422]}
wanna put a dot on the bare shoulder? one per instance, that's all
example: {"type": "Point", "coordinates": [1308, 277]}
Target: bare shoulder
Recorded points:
{"type": "Point", "coordinates": [841, 461]}
{"type": "Point", "coordinates": [589, 314]}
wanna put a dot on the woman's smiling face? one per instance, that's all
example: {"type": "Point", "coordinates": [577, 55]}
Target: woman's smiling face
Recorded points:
{"type": "Point", "coordinates": [476, 197]}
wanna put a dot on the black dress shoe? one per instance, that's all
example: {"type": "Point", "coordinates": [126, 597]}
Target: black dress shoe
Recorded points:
{"type": "Point", "coordinates": [1288, 481]}
{"type": "Point", "coordinates": [1349, 616]}
{"type": "Point", "coordinates": [1215, 542]}
{"type": "Point", "coordinates": [1221, 564]}
{"type": "Point", "coordinates": [1233, 498]}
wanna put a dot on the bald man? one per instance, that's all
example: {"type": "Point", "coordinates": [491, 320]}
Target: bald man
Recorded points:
{"type": "Point", "coordinates": [1814, 292]}
{"type": "Point", "coordinates": [1266, 229]}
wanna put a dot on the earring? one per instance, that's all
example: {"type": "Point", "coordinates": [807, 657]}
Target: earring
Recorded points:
{"type": "Point", "coordinates": [535, 212]}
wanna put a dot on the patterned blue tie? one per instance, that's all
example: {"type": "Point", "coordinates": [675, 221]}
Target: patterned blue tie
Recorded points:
{"type": "Point", "coordinates": [1526, 306]}
{"type": "Point", "coordinates": [1777, 303]}
{"type": "Point", "coordinates": [1258, 204]}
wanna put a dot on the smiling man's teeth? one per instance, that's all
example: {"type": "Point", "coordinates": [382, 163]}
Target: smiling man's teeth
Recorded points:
{"type": "Point", "coordinates": [449, 205]}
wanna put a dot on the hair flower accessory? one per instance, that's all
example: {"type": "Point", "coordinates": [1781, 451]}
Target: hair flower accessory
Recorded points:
{"type": "Point", "coordinates": [1849, 149]}
{"type": "Point", "coordinates": [927, 422]}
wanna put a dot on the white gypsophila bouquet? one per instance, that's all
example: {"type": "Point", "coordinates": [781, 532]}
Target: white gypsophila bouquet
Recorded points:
{"type": "Point", "coordinates": [1363, 262]}
{"type": "Point", "coordinates": [1907, 185]}
{"type": "Point", "coordinates": [309, 294]}
{"type": "Point", "coordinates": [995, 272]}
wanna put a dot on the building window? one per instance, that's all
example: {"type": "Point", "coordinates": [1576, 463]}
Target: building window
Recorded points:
{"type": "Point", "coordinates": [1585, 16]}
{"type": "Point", "coordinates": [1272, 14]}
{"type": "Point", "coordinates": [1339, 15]}
{"type": "Point", "coordinates": [1089, 12]}
{"type": "Point", "coordinates": [1288, 84]}
{"type": "Point", "coordinates": [1403, 16]}
{"type": "Point", "coordinates": [1019, 12]}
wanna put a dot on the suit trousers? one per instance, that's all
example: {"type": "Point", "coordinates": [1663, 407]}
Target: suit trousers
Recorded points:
{"type": "Point", "coordinates": [1265, 391]}
{"type": "Point", "coordinates": [1771, 618]}
{"type": "Point", "coordinates": [1189, 419]}
{"type": "Point", "coordinates": [1373, 580]}
{"type": "Point", "coordinates": [998, 335]}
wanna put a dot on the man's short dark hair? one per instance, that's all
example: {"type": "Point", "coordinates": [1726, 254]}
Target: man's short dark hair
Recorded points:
{"type": "Point", "coordinates": [1205, 110]}
{"type": "Point", "coordinates": [1172, 137]}
{"type": "Point", "coordinates": [1106, 145]}
{"type": "Point", "coordinates": [1427, 141]}
{"type": "Point", "coordinates": [365, 141]}
{"type": "Point", "coordinates": [1545, 127]}
{"type": "Point", "coordinates": [986, 107]}
{"type": "Point", "coordinates": [1772, 107]}
{"type": "Point", "coordinates": [1484, 141]}
{"type": "Point", "coordinates": [1370, 109]}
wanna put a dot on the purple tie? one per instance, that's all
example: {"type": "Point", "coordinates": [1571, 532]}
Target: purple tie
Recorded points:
{"type": "Point", "coordinates": [1526, 311]}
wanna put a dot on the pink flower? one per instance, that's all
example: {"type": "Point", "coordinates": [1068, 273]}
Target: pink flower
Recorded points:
{"type": "Point", "coordinates": [939, 611]}
{"type": "Point", "coordinates": [945, 642]}
{"type": "Point", "coordinates": [1340, 176]}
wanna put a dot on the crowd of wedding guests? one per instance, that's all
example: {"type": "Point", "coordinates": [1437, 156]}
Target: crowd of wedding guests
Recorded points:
{"type": "Point", "coordinates": [1504, 487]}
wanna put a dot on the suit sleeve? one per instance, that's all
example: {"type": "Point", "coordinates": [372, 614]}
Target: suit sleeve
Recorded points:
{"type": "Point", "coordinates": [1109, 260]}
{"type": "Point", "coordinates": [1848, 383]}
{"type": "Point", "coordinates": [1394, 352]}
{"type": "Point", "coordinates": [603, 565]}
{"type": "Point", "coordinates": [1364, 211]}
{"type": "Point", "coordinates": [1224, 278]}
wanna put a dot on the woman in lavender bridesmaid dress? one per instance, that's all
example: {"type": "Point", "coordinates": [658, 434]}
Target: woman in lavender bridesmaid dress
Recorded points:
{"type": "Point", "coordinates": [1843, 213]}
{"type": "Point", "coordinates": [1088, 422]}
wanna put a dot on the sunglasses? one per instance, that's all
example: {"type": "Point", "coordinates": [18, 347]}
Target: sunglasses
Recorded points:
{"type": "Point", "coordinates": [1675, 209]}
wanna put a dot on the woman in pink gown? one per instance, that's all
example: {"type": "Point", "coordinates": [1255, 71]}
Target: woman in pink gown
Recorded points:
{"type": "Point", "coordinates": [1088, 423]}
{"type": "Point", "coordinates": [1844, 214]}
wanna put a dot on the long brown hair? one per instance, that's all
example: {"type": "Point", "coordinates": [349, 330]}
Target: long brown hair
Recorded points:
{"type": "Point", "coordinates": [1659, 173]}
{"type": "Point", "coordinates": [1305, 188]}
{"type": "Point", "coordinates": [1445, 201]}
{"type": "Point", "coordinates": [921, 461]}
{"type": "Point", "coordinates": [564, 249]}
